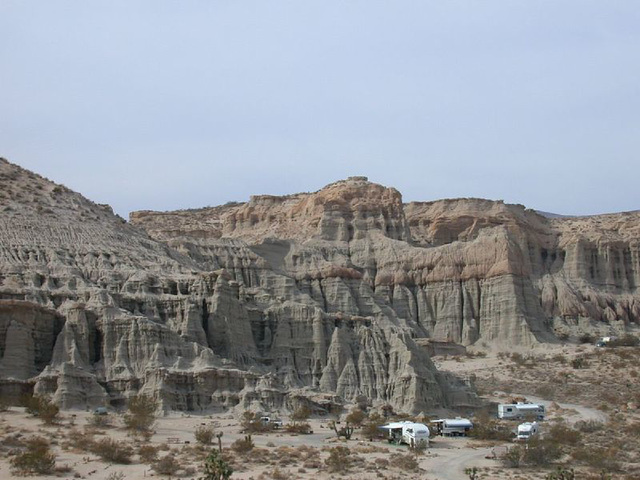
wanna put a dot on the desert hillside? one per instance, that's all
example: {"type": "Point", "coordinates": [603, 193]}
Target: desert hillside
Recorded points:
{"type": "Point", "coordinates": [314, 298]}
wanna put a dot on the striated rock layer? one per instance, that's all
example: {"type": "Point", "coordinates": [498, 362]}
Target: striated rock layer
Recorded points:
{"type": "Point", "coordinates": [318, 298]}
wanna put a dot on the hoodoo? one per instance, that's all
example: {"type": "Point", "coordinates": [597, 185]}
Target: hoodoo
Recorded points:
{"type": "Point", "coordinates": [313, 297]}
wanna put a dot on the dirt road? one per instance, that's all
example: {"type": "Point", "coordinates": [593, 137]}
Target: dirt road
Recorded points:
{"type": "Point", "coordinates": [450, 464]}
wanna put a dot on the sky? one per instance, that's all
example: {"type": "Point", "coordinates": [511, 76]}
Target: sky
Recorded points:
{"type": "Point", "coordinates": [165, 105]}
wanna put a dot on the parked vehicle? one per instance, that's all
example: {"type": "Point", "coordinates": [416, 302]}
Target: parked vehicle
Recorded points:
{"type": "Point", "coordinates": [521, 410]}
{"type": "Point", "coordinates": [275, 423]}
{"type": "Point", "coordinates": [452, 426]}
{"type": "Point", "coordinates": [409, 433]}
{"type": "Point", "coordinates": [527, 430]}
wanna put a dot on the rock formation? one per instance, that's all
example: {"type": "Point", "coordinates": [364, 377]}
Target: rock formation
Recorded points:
{"type": "Point", "coordinates": [315, 297]}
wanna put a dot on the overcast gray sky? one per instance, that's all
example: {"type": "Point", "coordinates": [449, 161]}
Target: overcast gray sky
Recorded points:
{"type": "Point", "coordinates": [177, 104]}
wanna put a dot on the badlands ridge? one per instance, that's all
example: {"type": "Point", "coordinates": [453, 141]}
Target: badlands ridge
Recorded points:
{"type": "Point", "coordinates": [326, 297]}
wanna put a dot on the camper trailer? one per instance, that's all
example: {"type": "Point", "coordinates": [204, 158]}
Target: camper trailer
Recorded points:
{"type": "Point", "coordinates": [450, 427]}
{"type": "Point", "coordinates": [520, 410]}
{"type": "Point", "coordinates": [527, 430]}
{"type": "Point", "coordinates": [407, 432]}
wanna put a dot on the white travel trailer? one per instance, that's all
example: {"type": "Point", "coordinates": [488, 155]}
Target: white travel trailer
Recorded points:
{"type": "Point", "coordinates": [527, 430]}
{"type": "Point", "coordinates": [452, 426]}
{"type": "Point", "coordinates": [520, 410]}
{"type": "Point", "coordinates": [407, 432]}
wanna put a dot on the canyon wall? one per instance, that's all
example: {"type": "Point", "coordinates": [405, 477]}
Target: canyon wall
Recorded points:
{"type": "Point", "coordinates": [314, 297]}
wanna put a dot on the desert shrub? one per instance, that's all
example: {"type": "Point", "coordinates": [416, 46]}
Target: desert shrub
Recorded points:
{"type": "Point", "coordinates": [486, 428]}
{"type": "Point", "coordinates": [562, 434]}
{"type": "Point", "coordinates": [100, 421]}
{"type": "Point", "coordinates": [167, 465]}
{"type": "Point", "coordinates": [204, 435]}
{"type": "Point", "coordinates": [243, 445]}
{"type": "Point", "coordinates": [586, 338]}
{"type": "Point", "coordinates": [419, 448]}
{"type": "Point", "coordinates": [141, 415]}
{"type": "Point", "coordinates": [545, 391]}
{"type": "Point", "coordinates": [112, 450]}
{"type": "Point", "coordinates": [589, 426]}
{"type": "Point", "coordinates": [251, 423]}
{"type": "Point", "coordinates": [561, 474]}
{"type": "Point", "coordinates": [356, 417]}
{"type": "Point", "coordinates": [298, 427]}
{"type": "Point", "coordinates": [472, 472]}
{"type": "Point", "coordinates": [339, 459]}
{"type": "Point", "coordinates": [277, 474]}
{"type": "Point", "coordinates": [148, 453]}
{"type": "Point", "coordinates": [301, 414]}
{"type": "Point", "coordinates": [407, 462]}
{"type": "Point", "coordinates": [512, 457]}
{"type": "Point", "coordinates": [371, 428]}
{"type": "Point", "coordinates": [579, 363]}
{"type": "Point", "coordinates": [36, 459]}
{"type": "Point", "coordinates": [381, 463]}
{"type": "Point", "coordinates": [116, 476]}
{"type": "Point", "coordinates": [541, 452]}
{"type": "Point", "coordinates": [80, 440]}
{"type": "Point", "coordinates": [559, 358]}
{"type": "Point", "coordinates": [216, 468]}
{"type": "Point", "coordinates": [41, 407]}
{"type": "Point", "coordinates": [598, 458]}
{"type": "Point", "coordinates": [518, 359]}
{"type": "Point", "coordinates": [626, 340]}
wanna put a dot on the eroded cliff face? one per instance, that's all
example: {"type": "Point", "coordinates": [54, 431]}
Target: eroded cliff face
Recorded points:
{"type": "Point", "coordinates": [93, 310]}
{"type": "Point", "coordinates": [317, 297]}
{"type": "Point", "coordinates": [469, 271]}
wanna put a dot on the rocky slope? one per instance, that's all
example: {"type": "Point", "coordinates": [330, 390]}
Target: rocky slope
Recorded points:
{"type": "Point", "coordinates": [315, 297]}
{"type": "Point", "coordinates": [93, 310]}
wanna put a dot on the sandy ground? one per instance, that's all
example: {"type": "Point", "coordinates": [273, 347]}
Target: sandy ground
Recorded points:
{"type": "Point", "coordinates": [446, 459]}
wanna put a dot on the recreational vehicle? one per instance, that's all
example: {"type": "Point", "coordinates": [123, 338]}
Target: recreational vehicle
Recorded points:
{"type": "Point", "coordinates": [407, 432]}
{"type": "Point", "coordinates": [521, 410]}
{"type": "Point", "coordinates": [452, 426]}
{"type": "Point", "coordinates": [527, 430]}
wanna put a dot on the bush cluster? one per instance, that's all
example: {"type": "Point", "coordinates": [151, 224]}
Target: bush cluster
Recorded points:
{"type": "Point", "coordinates": [36, 459]}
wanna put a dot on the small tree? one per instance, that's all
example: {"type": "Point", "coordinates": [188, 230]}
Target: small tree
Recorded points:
{"type": "Point", "coordinates": [371, 428]}
{"type": "Point", "coordinates": [251, 423]}
{"type": "Point", "coordinates": [356, 417]}
{"type": "Point", "coordinates": [36, 459]}
{"type": "Point", "coordinates": [141, 416]}
{"type": "Point", "coordinates": [301, 414]}
{"type": "Point", "coordinates": [215, 468]}
{"type": "Point", "coordinates": [346, 431]}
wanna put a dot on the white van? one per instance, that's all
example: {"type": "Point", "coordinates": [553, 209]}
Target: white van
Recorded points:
{"type": "Point", "coordinates": [527, 430]}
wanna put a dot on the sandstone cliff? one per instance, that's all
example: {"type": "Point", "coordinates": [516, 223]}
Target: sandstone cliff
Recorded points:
{"type": "Point", "coordinates": [93, 310]}
{"type": "Point", "coordinates": [310, 297]}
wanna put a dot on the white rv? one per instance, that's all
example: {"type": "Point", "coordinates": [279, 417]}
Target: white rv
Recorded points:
{"type": "Point", "coordinates": [520, 410]}
{"type": "Point", "coordinates": [527, 430]}
{"type": "Point", "coordinates": [452, 426]}
{"type": "Point", "coordinates": [407, 432]}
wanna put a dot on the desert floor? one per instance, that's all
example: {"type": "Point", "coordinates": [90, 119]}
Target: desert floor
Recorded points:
{"type": "Point", "coordinates": [603, 389]}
